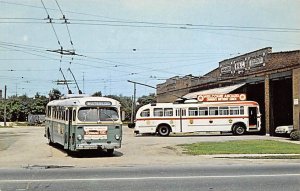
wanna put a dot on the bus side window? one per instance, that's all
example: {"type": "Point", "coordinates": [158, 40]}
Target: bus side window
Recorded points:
{"type": "Point", "coordinates": [67, 115]}
{"type": "Point", "coordinates": [74, 115]}
{"type": "Point", "coordinates": [223, 111]}
{"type": "Point", "coordinates": [158, 112]}
{"type": "Point", "coordinates": [168, 112]}
{"type": "Point", "coordinates": [193, 111]}
{"type": "Point", "coordinates": [242, 110]}
{"type": "Point", "coordinates": [203, 111]}
{"type": "Point", "coordinates": [145, 113]}
{"type": "Point", "coordinates": [213, 111]}
{"type": "Point", "coordinates": [177, 112]}
{"type": "Point", "coordinates": [234, 110]}
{"type": "Point", "coordinates": [183, 112]}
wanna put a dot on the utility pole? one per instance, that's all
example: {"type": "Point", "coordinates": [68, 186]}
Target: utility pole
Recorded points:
{"type": "Point", "coordinates": [133, 107]}
{"type": "Point", "coordinates": [5, 88]}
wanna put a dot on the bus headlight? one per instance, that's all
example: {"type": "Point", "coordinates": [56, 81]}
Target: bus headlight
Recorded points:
{"type": "Point", "coordinates": [117, 137]}
{"type": "Point", "coordinates": [79, 137]}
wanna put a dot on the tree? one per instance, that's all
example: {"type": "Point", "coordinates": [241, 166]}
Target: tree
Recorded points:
{"type": "Point", "coordinates": [38, 105]}
{"type": "Point", "coordinates": [19, 107]}
{"type": "Point", "coordinates": [97, 94]}
{"type": "Point", "coordinates": [144, 100]}
{"type": "Point", "coordinates": [54, 94]}
{"type": "Point", "coordinates": [125, 102]}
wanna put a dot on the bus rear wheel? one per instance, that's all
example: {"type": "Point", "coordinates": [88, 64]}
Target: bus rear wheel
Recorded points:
{"type": "Point", "coordinates": [238, 129]}
{"type": "Point", "coordinates": [49, 138]}
{"type": "Point", "coordinates": [163, 130]}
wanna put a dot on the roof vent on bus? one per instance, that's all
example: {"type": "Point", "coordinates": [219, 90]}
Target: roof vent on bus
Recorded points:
{"type": "Point", "coordinates": [153, 104]}
{"type": "Point", "coordinates": [191, 101]}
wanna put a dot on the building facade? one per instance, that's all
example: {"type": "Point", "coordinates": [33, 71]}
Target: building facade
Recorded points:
{"type": "Point", "coordinates": [271, 79]}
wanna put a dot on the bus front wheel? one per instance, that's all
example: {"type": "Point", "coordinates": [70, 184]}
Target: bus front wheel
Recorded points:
{"type": "Point", "coordinates": [238, 129]}
{"type": "Point", "coordinates": [163, 130]}
{"type": "Point", "coordinates": [110, 152]}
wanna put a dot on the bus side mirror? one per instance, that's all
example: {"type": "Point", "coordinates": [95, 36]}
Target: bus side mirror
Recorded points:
{"type": "Point", "coordinates": [123, 115]}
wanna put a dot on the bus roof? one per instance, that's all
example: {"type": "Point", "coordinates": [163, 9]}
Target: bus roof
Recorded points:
{"type": "Point", "coordinates": [202, 104]}
{"type": "Point", "coordinates": [81, 101]}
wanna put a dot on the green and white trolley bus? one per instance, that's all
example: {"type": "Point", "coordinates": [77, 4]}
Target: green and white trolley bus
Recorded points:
{"type": "Point", "coordinates": [84, 123]}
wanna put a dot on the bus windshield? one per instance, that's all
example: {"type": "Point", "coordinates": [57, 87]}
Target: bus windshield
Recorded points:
{"type": "Point", "coordinates": [97, 114]}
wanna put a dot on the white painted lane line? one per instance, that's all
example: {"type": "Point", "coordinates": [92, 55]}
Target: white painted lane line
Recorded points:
{"type": "Point", "coordinates": [148, 178]}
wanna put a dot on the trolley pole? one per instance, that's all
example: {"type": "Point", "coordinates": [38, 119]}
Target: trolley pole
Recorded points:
{"type": "Point", "coordinates": [5, 88]}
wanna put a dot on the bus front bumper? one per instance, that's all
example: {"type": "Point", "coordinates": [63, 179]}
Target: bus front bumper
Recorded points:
{"type": "Point", "coordinates": [97, 146]}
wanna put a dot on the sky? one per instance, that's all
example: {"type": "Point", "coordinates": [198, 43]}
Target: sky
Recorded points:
{"type": "Point", "coordinates": [146, 41]}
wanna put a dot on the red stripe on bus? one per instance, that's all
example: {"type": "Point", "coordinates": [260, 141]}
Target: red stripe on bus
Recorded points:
{"type": "Point", "coordinates": [185, 118]}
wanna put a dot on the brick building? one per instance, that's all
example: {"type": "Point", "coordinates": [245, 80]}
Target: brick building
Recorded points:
{"type": "Point", "coordinates": [271, 79]}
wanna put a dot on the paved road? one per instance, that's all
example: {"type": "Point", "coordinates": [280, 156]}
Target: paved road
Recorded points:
{"type": "Point", "coordinates": [151, 178]}
{"type": "Point", "coordinates": [21, 147]}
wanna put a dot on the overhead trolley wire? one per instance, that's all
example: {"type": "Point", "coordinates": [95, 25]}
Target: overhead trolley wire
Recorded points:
{"type": "Point", "coordinates": [50, 21]}
{"type": "Point", "coordinates": [65, 22]}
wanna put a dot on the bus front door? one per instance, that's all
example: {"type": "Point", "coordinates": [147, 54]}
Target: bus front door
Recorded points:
{"type": "Point", "coordinates": [67, 144]}
{"type": "Point", "coordinates": [253, 117]}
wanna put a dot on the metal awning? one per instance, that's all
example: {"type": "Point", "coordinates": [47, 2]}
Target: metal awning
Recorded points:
{"type": "Point", "coordinates": [221, 90]}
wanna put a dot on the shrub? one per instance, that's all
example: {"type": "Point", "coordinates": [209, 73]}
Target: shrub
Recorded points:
{"type": "Point", "coordinates": [295, 134]}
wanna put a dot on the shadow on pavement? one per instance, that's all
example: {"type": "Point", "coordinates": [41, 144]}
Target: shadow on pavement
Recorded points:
{"type": "Point", "coordinates": [86, 153]}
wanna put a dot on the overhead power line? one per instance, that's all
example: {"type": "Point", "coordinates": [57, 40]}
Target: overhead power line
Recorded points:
{"type": "Point", "coordinates": [50, 21]}
{"type": "Point", "coordinates": [65, 22]}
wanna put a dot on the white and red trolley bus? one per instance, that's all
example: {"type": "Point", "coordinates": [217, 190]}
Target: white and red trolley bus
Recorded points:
{"type": "Point", "coordinates": [237, 117]}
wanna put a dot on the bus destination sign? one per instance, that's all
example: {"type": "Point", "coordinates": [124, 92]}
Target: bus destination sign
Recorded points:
{"type": "Point", "coordinates": [221, 97]}
{"type": "Point", "coordinates": [98, 103]}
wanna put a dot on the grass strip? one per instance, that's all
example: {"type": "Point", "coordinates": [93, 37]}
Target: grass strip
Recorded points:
{"type": "Point", "coordinates": [241, 147]}
{"type": "Point", "coordinates": [265, 157]}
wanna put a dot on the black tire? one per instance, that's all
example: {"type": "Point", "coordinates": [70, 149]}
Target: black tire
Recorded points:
{"type": "Point", "coordinates": [110, 152]}
{"type": "Point", "coordinates": [163, 130]}
{"type": "Point", "coordinates": [49, 138]}
{"type": "Point", "coordinates": [238, 129]}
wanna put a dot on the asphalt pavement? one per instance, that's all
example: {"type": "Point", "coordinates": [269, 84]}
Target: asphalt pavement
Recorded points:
{"type": "Point", "coordinates": [27, 146]}
{"type": "Point", "coordinates": [160, 178]}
